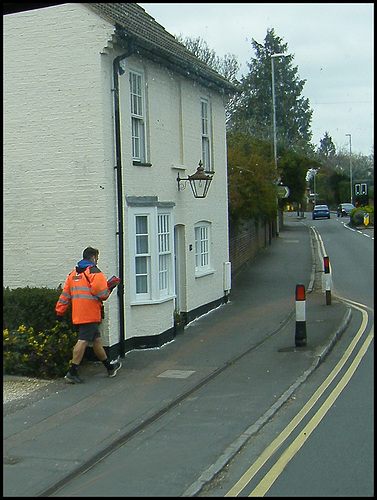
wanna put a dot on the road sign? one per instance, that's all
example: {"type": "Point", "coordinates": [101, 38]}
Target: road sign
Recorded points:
{"type": "Point", "coordinates": [283, 191]}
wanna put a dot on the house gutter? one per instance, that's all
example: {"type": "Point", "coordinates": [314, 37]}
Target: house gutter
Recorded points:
{"type": "Point", "coordinates": [118, 167]}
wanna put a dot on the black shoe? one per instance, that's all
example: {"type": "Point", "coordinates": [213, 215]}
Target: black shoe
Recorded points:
{"type": "Point", "coordinates": [115, 365]}
{"type": "Point", "coordinates": [73, 379]}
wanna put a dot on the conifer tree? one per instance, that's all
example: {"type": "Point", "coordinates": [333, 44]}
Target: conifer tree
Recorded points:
{"type": "Point", "coordinates": [253, 109]}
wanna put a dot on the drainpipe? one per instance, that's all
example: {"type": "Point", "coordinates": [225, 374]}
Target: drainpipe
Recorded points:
{"type": "Point", "coordinates": [118, 167]}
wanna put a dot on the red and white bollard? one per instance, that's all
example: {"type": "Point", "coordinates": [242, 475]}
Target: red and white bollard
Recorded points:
{"type": "Point", "coordinates": [326, 261]}
{"type": "Point", "coordinates": [300, 334]}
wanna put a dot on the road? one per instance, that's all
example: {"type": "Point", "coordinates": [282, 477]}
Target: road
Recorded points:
{"type": "Point", "coordinates": [321, 443]}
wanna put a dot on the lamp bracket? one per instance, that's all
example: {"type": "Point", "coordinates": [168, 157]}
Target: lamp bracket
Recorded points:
{"type": "Point", "coordinates": [182, 187]}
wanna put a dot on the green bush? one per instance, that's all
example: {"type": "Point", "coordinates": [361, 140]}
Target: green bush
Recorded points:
{"type": "Point", "coordinates": [357, 215]}
{"type": "Point", "coordinates": [43, 355]}
{"type": "Point", "coordinates": [34, 343]}
{"type": "Point", "coordinates": [32, 307]}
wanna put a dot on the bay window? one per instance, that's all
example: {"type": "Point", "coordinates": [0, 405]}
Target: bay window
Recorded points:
{"type": "Point", "coordinates": [152, 257]}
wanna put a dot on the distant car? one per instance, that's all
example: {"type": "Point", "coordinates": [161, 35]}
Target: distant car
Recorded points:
{"type": "Point", "coordinates": [320, 211]}
{"type": "Point", "coordinates": [344, 209]}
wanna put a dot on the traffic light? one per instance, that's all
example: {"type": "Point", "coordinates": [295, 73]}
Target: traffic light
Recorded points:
{"type": "Point", "coordinates": [361, 189]}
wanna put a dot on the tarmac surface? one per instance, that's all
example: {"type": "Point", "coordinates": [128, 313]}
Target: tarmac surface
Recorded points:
{"type": "Point", "coordinates": [174, 416]}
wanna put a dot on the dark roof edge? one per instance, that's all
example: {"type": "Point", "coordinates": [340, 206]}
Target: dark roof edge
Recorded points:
{"type": "Point", "coordinates": [12, 8]}
{"type": "Point", "coordinates": [172, 62]}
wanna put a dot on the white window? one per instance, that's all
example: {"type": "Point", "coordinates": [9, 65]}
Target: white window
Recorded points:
{"type": "Point", "coordinates": [152, 260]}
{"type": "Point", "coordinates": [206, 136]}
{"type": "Point", "coordinates": [137, 117]}
{"type": "Point", "coordinates": [202, 248]}
{"type": "Point", "coordinates": [142, 257]}
{"type": "Point", "coordinates": [164, 253]}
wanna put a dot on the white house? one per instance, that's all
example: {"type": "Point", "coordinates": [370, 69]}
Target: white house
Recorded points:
{"type": "Point", "coordinates": [103, 110]}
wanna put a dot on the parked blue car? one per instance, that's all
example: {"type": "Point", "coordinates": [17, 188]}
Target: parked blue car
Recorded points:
{"type": "Point", "coordinates": [320, 211]}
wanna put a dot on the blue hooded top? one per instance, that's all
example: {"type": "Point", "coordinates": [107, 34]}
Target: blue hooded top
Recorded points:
{"type": "Point", "coordinates": [83, 264]}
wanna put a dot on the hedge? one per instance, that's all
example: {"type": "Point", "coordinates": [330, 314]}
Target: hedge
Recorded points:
{"type": "Point", "coordinates": [34, 343]}
{"type": "Point", "coordinates": [357, 215]}
{"type": "Point", "coordinates": [45, 354]}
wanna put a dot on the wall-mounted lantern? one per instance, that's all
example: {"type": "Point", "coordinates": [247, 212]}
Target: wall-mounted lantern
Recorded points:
{"type": "Point", "coordinates": [199, 182]}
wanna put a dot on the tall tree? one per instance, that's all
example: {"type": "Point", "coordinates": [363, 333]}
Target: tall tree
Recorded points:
{"type": "Point", "coordinates": [253, 111]}
{"type": "Point", "coordinates": [327, 147]}
{"type": "Point", "coordinates": [251, 179]}
{"type": "Point", "coordinates": [227, 66]}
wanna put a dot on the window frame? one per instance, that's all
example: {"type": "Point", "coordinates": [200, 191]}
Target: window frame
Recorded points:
{"type": "Point", "coordinates": [202, 247]}
{"type": "Point", "coordinates": [142, 255]}
{"type": "Point", "coordinates": [165, 252]}
{"type": "Point", "coordinates": [206, 134]}
{"type": "Point", "coordinates": [138, 114]}
{"type": "Point", "coordinates": [160, 255]}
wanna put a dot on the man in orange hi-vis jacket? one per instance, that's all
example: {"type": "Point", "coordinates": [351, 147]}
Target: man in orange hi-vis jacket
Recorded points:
{"type": "Point", "coordinates": [86, 288]}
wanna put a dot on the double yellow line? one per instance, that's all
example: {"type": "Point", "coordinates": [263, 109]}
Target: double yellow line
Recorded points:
{"type": "Point", "coordinates": [265, 484]}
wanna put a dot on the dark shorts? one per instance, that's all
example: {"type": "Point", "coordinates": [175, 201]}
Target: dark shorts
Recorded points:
{"type": "Point", "coordinates": [89, 332]}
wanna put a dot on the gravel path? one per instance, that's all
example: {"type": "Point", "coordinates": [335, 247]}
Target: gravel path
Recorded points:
{"type": "Point", "coordinates": [20, 387]}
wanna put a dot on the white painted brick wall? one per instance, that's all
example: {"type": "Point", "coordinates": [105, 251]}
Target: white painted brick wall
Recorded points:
{"type": "Point", "coordinates": [59, 178]}
{"type": "Point", "coordinates": [168, 97]}
{"type": "Point", "coordinates": [55, 158]}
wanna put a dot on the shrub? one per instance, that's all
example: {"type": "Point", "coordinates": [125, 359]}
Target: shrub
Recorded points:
{"type": "Point", "coordinates": [31, 307]}
{"type": "Point", "coordinates": [43, 355]}
{"type": "Point", "coordinates": [41, 347]}
{"type": "Point", "coordinates": [357, 215]}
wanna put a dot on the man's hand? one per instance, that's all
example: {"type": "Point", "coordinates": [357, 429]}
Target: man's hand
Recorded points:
{"type": "Point", "coordinates": [113, 282]}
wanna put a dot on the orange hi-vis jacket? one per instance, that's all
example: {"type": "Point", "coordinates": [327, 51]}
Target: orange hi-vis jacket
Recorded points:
{"type": "Point", "coordinates": [86, 290]}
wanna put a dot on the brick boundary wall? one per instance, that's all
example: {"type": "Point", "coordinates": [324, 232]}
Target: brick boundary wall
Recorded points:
{"type": "Point", "coordinates": [246, 240]}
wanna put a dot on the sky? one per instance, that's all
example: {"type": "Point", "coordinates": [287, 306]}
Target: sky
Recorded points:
{"type": "Point", "coordinates": [332, 44]}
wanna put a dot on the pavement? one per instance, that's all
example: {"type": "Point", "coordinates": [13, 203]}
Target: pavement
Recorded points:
{"type": "Point", "coordinates": [174, 416]}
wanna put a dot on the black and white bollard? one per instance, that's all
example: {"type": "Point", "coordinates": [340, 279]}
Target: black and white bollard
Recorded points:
{"type": "Point", "coordinates": [326, 261]}
{"type": "Point", "coordinates": [300, 335]}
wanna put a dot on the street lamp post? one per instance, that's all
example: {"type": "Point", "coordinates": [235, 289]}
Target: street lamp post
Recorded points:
{"type": "Point", "coordinates": [274, 125]}
{"type": "Point", "coordinates": [315, 187]}
{"type": "Point", "coordinates": [349, 135]}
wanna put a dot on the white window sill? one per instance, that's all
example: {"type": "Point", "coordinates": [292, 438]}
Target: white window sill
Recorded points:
{"type": "Point", "coordinates": [200, 274]}
{"type": "Point", "coordinates": [146, 302]}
